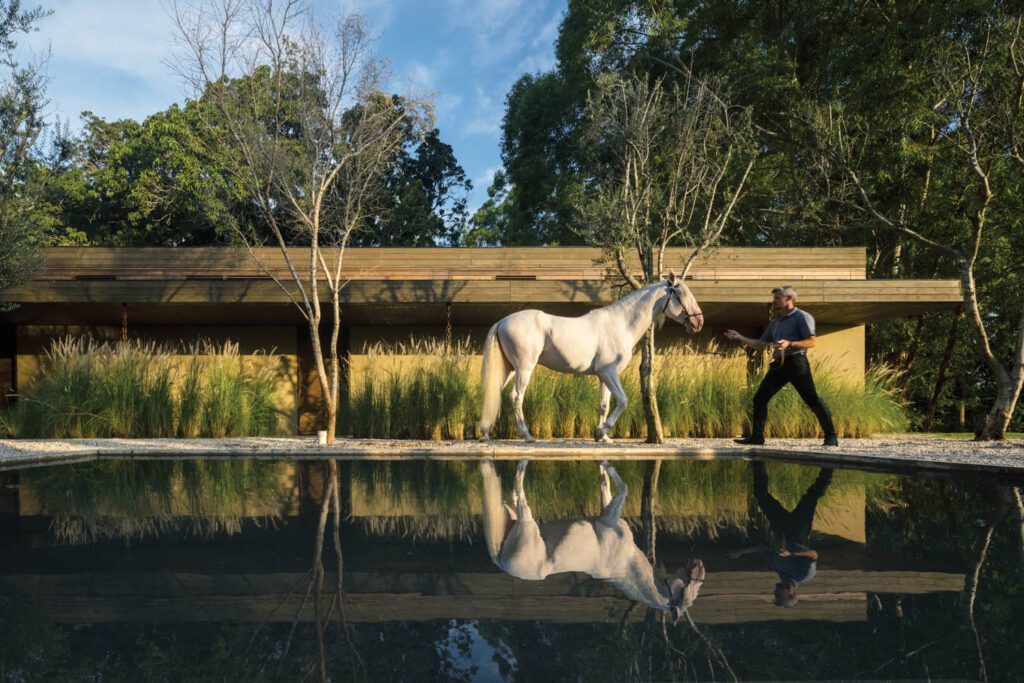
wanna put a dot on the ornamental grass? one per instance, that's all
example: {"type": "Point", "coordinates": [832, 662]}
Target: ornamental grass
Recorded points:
{"type": "Point", "coordinates": [430, 390]}
{"type": "Point", "coordinates": [136, 389]}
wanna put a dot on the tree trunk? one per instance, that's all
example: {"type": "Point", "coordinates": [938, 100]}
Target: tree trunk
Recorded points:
{"type": "Point", "coordinates": [1008, 382]}
{"type": "Point", "coordinates": [648, 390]}
{"type": "Point", "coordinates": [997, 422]}
{"type": "Point", "coordinates": [947, 356]}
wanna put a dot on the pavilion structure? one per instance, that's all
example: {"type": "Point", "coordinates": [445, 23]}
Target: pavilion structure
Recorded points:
{"type": "Point", "coordinates": [183, 294]}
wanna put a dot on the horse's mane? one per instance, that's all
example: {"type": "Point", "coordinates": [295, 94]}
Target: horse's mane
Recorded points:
{"type": "Point", "coordinates": [629, 300]}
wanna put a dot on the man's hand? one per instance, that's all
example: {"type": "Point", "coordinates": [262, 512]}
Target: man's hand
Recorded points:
{"type": "Point", "coordinates": [732, 334]}
{"type": "Point", "coordinates": [784, 344]}
{"type": "Point", "coordinates": [784, 552]}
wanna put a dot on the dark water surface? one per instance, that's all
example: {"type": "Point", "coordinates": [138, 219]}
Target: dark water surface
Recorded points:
{"type": "Point", "coordinates": [227, 570]}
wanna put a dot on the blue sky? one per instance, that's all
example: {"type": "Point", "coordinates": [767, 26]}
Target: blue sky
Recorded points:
{"type": "Point", "coordinates": [109, 57]}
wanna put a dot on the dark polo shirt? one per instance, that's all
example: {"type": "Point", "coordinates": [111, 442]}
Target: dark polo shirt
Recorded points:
{"type": "Point", "coordinates": [797, 325]}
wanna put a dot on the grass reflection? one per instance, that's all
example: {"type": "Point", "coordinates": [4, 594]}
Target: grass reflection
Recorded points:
{"type": "Point", "coordinates": [436, 500]}
{"type": "Point", "coordinates": [128, 501]}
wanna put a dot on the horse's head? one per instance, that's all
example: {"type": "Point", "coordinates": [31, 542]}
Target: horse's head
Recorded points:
{"type": "Point", "coordinates": [686, 586]}
{"type": "Point", "coordinates": [681, 305]}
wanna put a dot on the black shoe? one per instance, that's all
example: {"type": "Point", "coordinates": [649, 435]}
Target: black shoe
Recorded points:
{"type": "Point", "coordinates": [831, 440]}
{"type": "Point", "coordinates": [750, 441]}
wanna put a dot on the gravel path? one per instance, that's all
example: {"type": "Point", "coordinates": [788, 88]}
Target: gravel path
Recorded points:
{"type": "Point", "coordinates": [914, 452]}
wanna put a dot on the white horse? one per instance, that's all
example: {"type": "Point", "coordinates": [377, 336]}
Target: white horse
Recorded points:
{"type": "Point", "coordinates": [599, 343]}
{"type": "Point", "coordinates": [602, 547]}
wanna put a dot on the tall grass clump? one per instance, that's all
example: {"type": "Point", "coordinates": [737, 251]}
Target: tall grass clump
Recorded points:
{"type": "Point", "coordinates": [415, 390]}
{"type": "Point", "coordinates": [90, 389]}
{"type": "Point", "coordinates": [427, 390]}
{"type": "Point", "coordinates": [856, 411]}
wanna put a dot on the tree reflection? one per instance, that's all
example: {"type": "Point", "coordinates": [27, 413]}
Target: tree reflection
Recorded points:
{"type": "Point", "coordinates": [329, 510]}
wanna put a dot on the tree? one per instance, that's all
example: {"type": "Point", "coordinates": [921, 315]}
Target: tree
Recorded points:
{"type": "Point", "coordinates": [152, 183]}
{"type": "Point", "coordinates": [425, 197]}
{"type": "Point", "coordinates": [21, 124]}
{"type": "Point", "coordinates": [977, 154]}
{"type": "Point", "coordinates": [311, 135]}
{"type": "Point", "coordinates": [670, 163]}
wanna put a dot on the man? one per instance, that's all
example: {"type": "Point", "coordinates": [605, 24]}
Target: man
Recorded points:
{"type": "Point", "coordinates": [790, 333]}
{"type": "Point", "coordinates": [790, 555]}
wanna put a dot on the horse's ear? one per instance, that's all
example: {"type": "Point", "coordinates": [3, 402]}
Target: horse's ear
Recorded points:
{"type": "Point", "coordinates": [671, 276]}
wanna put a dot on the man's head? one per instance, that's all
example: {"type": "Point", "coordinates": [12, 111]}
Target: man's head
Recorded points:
{"type": "Point", "coordinates": [785, 594]}
{"type": "Point", "coordinates": [783, 298]}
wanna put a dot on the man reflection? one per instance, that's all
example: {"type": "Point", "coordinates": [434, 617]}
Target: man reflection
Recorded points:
{"type": "Point", "coordinates": [789, 556]}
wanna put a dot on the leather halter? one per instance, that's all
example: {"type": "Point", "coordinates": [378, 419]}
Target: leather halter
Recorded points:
{"type": "Point", "coordinates": [668, 300]}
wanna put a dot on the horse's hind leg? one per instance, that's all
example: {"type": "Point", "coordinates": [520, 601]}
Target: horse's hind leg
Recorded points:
{"type": "Point", "coordinates": [518, 392]}
{"type": "Point", "coordinates": [523, 512]}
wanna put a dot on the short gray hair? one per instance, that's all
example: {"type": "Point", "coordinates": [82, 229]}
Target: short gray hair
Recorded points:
{"type": "Point", "coordinates": [786, 291]}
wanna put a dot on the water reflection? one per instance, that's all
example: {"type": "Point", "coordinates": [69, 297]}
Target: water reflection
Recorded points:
{"type": "Point", "coordinates": [128, 501]}
{"type": "Point", "coordinates": [916, 577]}
{"type": "Point", "coordinates": [601, 547]}
{"type": "Point", "coordinates": [789, 554]}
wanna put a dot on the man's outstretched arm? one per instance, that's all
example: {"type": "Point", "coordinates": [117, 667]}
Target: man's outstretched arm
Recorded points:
{"type": "Point", "coordinates": [752, 344]}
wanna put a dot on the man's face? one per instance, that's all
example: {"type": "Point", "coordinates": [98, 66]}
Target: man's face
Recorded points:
{"type": "Point", "coordinates": [780, 302]}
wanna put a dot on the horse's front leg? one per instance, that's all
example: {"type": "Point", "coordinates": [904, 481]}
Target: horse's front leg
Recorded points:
{"type": "Point", "coordinates": [610, 378]}
{"type": "Point", "coordinates": [603, 406]}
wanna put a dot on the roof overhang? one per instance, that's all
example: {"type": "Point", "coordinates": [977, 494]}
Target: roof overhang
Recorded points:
{"type": "Point", "coordinates": [425, 302]}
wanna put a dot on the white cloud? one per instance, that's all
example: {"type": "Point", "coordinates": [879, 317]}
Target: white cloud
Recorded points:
{"type": "Point", "coordinates": [486, 116]}
{"type": "Point", "coordinates": [498, 28]}
{"type": "Point", "coordinates": [132, 37]}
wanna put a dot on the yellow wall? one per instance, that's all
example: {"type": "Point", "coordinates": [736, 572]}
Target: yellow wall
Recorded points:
{"type": "Point", "coordinates": [842, 350]}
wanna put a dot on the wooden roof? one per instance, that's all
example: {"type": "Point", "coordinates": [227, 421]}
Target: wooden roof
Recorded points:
{"type": "Point", "coordinates": [416, 286]}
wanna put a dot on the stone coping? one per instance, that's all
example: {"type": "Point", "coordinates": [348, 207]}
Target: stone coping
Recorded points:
{"type": "Point", "coordinates": [902, 453]}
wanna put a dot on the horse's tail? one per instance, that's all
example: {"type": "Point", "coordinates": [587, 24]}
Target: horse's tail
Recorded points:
{"type": "Point", "coordinates": [492, 380]}
{"type": "Point", "coordinates": [494, 514]}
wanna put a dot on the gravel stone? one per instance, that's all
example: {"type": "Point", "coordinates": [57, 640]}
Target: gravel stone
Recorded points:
{"type": "Point", "coordinates": [901, 451]}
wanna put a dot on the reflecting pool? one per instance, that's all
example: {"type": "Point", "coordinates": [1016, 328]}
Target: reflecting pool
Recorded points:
{"type": "Point", "coordinates": [473, 570]}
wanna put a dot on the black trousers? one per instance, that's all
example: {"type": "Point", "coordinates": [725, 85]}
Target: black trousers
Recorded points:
{"type": "Point", "coordinates": [790, 528]}
{"type": "Point", "coordinates": [795, 370]}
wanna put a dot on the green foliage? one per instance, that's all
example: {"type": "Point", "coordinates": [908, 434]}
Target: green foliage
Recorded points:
{"type": "Point", "coordinates": [425, 198]}
{"type": "Point", "coordinates": [22, 104]}
{"type": "Point", "coordinates": [86, 389]}
{"type": "Point", "coordinates": [432, 392]}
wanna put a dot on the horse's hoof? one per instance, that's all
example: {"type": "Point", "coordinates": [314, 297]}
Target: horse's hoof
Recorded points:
{"type": "Point", "coordinates": [529, 439]}
{"type": "Point", "coordinates": [484, 438]}
{"type": "Point", "coordinates": [605, 439]}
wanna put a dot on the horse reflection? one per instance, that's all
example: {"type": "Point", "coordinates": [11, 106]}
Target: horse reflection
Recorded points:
{"type": "Point", "coordinates": [602, 546]}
